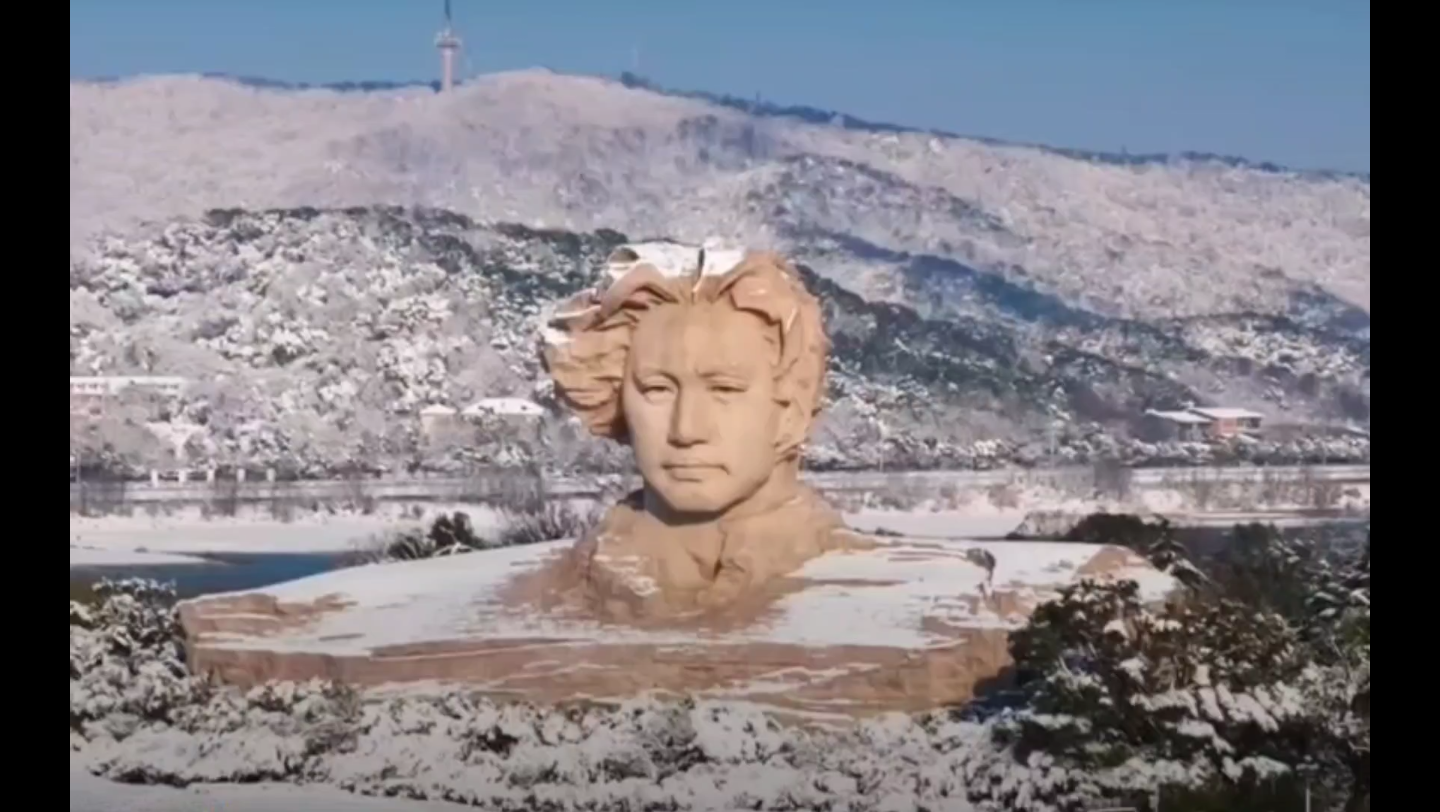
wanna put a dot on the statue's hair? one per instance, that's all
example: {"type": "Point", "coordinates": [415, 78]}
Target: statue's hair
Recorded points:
{"type": "Point", "coordinates": [586, 344]}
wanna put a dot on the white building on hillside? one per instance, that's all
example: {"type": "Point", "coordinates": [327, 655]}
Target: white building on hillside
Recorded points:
{"type": "Point", "coordinates": [88, 394]}
{"type": "Point", "coordinates": [1200, 422]}
{"type": "Point", "coordinates": [504, 407]}
{"type": "Point", "coordinates": [1175, 425]}
{"type": "Point", "coordinates": [1225, 421]}
{"type": "Point", "coordinates": [437, 418]}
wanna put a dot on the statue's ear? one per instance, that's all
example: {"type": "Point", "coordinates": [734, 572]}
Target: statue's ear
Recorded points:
{"type": "Point", "coordinates": [794, 425]}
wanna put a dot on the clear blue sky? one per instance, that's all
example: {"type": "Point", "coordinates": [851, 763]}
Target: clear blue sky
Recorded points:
{"type": "Point", "coordinates": [1280, 80]}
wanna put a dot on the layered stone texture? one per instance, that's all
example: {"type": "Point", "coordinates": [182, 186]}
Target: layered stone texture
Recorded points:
{"type": "Point", "coordinates": [905, 625]}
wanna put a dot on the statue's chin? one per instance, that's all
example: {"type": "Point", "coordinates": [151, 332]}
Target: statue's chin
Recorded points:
{"type": "Point", "coordinates": [694, 503]}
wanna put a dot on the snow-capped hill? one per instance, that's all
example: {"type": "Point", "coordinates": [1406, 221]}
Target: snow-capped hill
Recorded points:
{"type": "Point", "coordinates": [1141, 240]}
{"type": "Point", "coordinates": [803, 113]}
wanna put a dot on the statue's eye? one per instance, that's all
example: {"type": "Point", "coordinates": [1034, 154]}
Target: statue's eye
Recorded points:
{"type": "Point", "coordinates": [727, 388]}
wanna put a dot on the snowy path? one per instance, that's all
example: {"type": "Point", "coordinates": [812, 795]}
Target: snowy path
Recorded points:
{"type": "Point", "coordinates": [91, 794]}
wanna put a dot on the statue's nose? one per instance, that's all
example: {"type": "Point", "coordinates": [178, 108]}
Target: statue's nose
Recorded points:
{"type": "Point", "coordinates": [690, 420]}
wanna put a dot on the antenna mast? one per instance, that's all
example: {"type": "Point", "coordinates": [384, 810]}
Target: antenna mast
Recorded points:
{"type": "Point", "coordinates": [448, 42]}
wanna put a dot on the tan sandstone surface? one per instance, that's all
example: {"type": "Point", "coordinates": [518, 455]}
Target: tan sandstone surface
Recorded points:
{"type": "Point", "coordinates": [904, 625]}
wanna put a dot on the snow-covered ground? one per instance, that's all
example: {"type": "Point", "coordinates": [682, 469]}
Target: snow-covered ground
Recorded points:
{"type": "Point", "coordinates": [544, 148]}
{"type": "Point", "coordinates": [937, 523]}
{"type": "Point", "coordinates": [89, 793]}
{"type": "Point", "coordinates": [140, 540]}
{"type": "Point", "coordinates": [189, 535]}
{"type": "Point", "coordinates": [178, 538]}
{"type": "Point", "coordinates": [120, 557]}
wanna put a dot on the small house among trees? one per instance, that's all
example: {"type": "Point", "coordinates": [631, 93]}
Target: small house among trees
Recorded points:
{"type": "Point", "coordinates": [1228, 421]}
{"type": "Point", "coordinates": [89, 395]}
{"type": "Point", "coordinates": [1196, 423]}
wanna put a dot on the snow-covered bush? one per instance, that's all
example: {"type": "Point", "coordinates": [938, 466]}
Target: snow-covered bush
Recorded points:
{"type": "Point", "coordinates": [1155, 539]}
{"type": "Point", "coordinates": [127, 664]}
{"type": "Point", "coordinates": [448, 534]}
{"type": "Point", "coordinates": [451, 534]}
{"type": "Point", "coordinates": [1237, 694]}
{"type": "Point", "coordinates": [1194, 693]}
{"type": "Point", "coordinates": [551, 521]}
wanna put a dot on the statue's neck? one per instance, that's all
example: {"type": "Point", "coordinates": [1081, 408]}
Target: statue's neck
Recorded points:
{"type": "Point", "coordinates": [782, 486]}
{"type": "Point", "coordinates": [704, 537]}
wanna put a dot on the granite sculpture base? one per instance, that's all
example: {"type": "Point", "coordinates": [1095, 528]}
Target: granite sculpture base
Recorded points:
{"type": "Point", "coordinates": [906, 626]}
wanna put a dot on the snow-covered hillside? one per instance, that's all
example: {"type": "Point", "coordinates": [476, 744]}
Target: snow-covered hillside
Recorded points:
{"type": "Point", "coordinates": [907, 215]}
{"type": "Point", "coordinates": [315, 338]}
{"type": "Point", "coordinates": [979, 293]}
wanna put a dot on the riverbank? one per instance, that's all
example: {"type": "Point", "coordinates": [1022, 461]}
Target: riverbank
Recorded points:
{"type": "Point", "coordinates": [212, 574]}
{"type": "Point", "coordinates": [1236, 486]}
{"type": "Point", "coordinates": [203, 557]}
{"type": "Point", "coordinates": [190, 537]}
{"type": "Point", "coordinates": [86, 557]}
{"type": "Point", "coordinates": [190, 532]}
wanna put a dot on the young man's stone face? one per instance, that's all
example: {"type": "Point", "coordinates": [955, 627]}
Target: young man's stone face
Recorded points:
{"type": "Point", "coordinates": [699, 403]}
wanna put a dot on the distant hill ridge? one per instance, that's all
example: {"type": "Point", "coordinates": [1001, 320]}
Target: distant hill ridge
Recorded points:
{"type": "Point", "coordinates": [811, 115]}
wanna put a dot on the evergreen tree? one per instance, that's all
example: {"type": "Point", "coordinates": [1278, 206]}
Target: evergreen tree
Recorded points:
{"type": "Point", "coordinates": [1244, 690]}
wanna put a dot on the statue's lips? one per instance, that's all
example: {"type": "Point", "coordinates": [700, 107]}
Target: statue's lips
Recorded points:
{"type": "Point", "coordinates": [692, 471]}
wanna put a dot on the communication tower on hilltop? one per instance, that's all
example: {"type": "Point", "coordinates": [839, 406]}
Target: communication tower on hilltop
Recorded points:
{"type": "Point", "coordinates": [448, 42]}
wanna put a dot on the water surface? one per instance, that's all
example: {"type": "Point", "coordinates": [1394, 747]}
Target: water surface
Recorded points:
{"type": "Point", "coordinates": [227, 572]}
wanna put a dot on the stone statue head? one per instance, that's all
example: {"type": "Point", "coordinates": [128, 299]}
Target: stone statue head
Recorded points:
{"type": "Point", "coordinates": [709, 364]}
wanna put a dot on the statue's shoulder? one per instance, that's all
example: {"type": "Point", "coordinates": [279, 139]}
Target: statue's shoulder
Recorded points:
{"type": "Point", "coordinates": [619, 519]}
{"type": "Point", "coordinates": [619, 573]}
{"type": "Point", "coordinates": [828, 526]}
{"type": "Point", "coordinates": [840, 538]}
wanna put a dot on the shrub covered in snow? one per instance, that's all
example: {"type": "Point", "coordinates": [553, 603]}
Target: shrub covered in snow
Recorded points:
{"type": "Point", "coordinates": [1155, 539]}
{"type": "Point", "coordinates": [549, 522]}
{"type": "Point", "coordinates": [450, 534]}
{"type": "Point", "coordinates": [1204, 692]}
{"type": "Point", "coordinates": [1211, 702]}
{"type": "Point", "coordinates": [127, 663]}
{"type": "Point", "coordinates": [1234, 695]}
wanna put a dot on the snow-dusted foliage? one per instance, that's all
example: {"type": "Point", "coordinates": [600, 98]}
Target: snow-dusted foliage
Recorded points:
{"type": "Point", "coordinates": [1212, 702]}
{"type": "Point", "coordinates": [452, 534]}
{"type": "Point", "coordinates": [1033, 288]}
{"type": "Point", "coordinates": [315, 340]}
{"type": "Point", "coordinates": [1156, 540]}
{"type": "Point", "coordinates": [127, 664]}
{"type": "Point", "coordinates": [1191, 695]}
{"type": "Point", "coordinates": [1329, 597]}
{"type": "Point", "coordinates": [683, 755]}
{"type": "Point", "coordinates": [1238, 693]}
